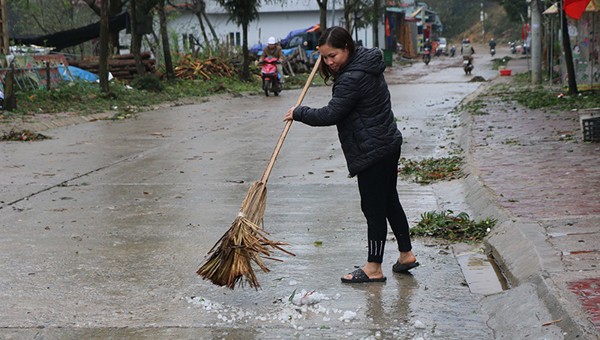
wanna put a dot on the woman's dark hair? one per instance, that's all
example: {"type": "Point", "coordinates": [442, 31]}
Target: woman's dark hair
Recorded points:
{"type": "Point", "coordinates": [336, 37]}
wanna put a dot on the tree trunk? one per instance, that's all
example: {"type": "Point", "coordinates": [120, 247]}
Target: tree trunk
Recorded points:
{"type": "Point", "coordinates": [246, 57]}
{"type": "Point", "coordinates": [116, 6]}
{"type": "Point", "coordinates": [10, 98]}
{"type": "Point", "coordinates": [322, 14]}
{"type": "Point", "coordinates": [568, 52]}
{"type": "Point", "coordinates": [164, 34]}
{"type": "Point", "coordinates": [375, 23]}
{"type": "Point", "coordinates": [347, 10]}
{"type": "Point", "coordinates": [136, 39]}
{"type": "Point", "coordinates": [104, 48]}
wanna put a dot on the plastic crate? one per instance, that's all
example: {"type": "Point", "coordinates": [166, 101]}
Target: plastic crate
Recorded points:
{"type": "Point", "coordinates": [590, 126]}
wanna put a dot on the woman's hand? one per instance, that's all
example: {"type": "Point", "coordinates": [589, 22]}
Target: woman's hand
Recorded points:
{"type": "Point", "coordinates": [289, 115]}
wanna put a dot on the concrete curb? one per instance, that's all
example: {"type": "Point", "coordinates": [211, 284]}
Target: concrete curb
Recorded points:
{"type": "Point", "coordinates": [521, 250]}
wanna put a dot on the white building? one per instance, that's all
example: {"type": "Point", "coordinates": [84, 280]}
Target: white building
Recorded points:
{"type": "Point", "coordinates": [274, 20]}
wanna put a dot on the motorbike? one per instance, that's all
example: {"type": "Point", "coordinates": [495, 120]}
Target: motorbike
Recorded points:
{"type": "Point", "coordinates": [426, 55]}
{"type": "Point", "coordinates": [492, 51]}
{"type": "Point", "coordinates": [452, 51]}
{"type": "Point", "coordinates": [467, 65]}
{"type": "Point", "coordinates": [513, 47]}
{"type": "Point", "coordinates": [271, 81]}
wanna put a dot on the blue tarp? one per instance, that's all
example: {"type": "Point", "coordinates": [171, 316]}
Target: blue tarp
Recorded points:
{"type": "Point", "coordinates": [294, 32]}
{"type": "Point", "coordinates": [75, 73]}
{"type": "Point", "coordinates": [257, 48]}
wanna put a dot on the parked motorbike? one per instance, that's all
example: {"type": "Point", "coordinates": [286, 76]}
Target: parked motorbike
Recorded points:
{"type": "Point", "coordinates": [426, 55]}
{"type": "Point", "coordinates": [271, 81]}
{"type": "Point", "coordinates": [467, 65]}
{"type": "Point", "coordinates": [452, 51]}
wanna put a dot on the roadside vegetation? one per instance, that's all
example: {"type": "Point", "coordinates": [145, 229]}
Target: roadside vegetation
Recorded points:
{"type": "Point", "coordinates": [86, 98]}
{"type": "Point", "coordinates": [22, 136]}
{"type": "Point", "coordinates": [452, 227]}
{"type": "Point", "coordinates": [549, 98]}
{"type": "Point", "coordinates": [474, 107]}
{"type": "Point", "coordinates": [431, 170]}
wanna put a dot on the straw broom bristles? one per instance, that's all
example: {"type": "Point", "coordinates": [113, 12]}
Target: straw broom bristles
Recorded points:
{"type": "Point", "coordinates": [245, 242]}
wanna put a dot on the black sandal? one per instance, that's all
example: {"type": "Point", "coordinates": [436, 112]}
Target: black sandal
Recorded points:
{"type": "Point", "coordinates": [404, 268]}
{"type": "Point", "coordinates": [359, 276]}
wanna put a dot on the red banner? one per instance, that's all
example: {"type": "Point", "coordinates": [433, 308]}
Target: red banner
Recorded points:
{"type": "Point", "coordinates": [575, 8]}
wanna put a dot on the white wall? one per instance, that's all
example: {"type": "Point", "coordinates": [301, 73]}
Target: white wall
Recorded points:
{"type": "Point", "coordinates": [276, 23]}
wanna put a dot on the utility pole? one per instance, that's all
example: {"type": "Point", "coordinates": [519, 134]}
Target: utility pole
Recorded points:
{"type": "Point", "coordinates": [482, 19]}
{"type": "Point", "coordinates": [536, 43]}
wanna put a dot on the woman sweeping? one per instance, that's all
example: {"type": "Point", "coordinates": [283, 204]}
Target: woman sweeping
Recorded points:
{"type": "Point", "coordinates": [360, 107]}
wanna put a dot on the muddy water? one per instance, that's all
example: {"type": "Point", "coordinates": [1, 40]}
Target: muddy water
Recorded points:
{"type": "Point", "coordinates": [110, 221]}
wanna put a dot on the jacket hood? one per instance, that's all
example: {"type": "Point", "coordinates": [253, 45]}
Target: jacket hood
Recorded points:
{"type": "Point", "coordinates": [369, 60]}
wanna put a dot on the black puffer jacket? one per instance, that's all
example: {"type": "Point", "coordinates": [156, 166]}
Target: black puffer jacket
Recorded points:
{"type": "Point", "coordinates": [361, 109]}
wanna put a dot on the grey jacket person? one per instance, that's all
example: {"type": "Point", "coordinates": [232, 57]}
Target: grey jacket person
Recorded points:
{"type": "Point", "coordinates": [360, 107]}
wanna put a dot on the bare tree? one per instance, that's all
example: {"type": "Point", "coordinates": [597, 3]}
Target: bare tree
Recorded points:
{"type": "Point", "coordinates": [354, 14]}
{"type": "Point", "coordinates": [198, 7]}
{"type": "Point", "coordinates": [242, 12]}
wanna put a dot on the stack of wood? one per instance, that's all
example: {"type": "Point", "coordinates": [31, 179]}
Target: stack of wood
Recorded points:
{"type": "Point", "coordinates": [121, 66]}
{"type": "Point", "coordinates": [192, 68]}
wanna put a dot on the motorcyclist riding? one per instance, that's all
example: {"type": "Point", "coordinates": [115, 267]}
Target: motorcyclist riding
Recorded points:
{"type": "Point", "coordinates": [274, 50]}
{"type": "Point", "coordinates": [427, 44]}
{"type": "Point", "coordinates": [492, 46]}
{"type": "Point", "coordinates": [467, 51]}
{"type": "Point", "coordinates": [427, 51]}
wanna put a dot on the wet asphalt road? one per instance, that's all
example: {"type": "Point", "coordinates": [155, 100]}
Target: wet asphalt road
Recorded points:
{"type": "Point", "coordinates": [105, 224]}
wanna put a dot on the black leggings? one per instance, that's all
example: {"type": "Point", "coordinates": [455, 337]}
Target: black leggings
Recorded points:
{"type": "Point", "coordinates": [380, 204]}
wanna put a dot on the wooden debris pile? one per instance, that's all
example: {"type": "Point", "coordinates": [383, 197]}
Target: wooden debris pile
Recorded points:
{"type": "Point", "coordinates": [193, 68]}
{"type": "Point", "coordinates": [121, 66]}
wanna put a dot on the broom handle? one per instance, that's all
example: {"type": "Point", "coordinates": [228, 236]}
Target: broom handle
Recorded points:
{"type": "Point", "coordinates": [288, 124]}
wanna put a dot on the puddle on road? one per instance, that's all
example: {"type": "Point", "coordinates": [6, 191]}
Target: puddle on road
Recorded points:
{"type": "Point", "coordinates": [481, 273]}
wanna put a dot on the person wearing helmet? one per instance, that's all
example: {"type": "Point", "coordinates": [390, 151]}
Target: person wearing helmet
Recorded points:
{"type": "Point", "coordinates": [273, 50]}
{"type": "Point", "coordinates": [492, 44]}
{"type": "Point", "coordinates": [427, 44]}
{"type": "Point", "coordinates": [467, 50]}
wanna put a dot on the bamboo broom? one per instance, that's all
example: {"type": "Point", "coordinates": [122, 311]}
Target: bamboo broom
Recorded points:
{"type": "Point", "coordinates": [230, 259]}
